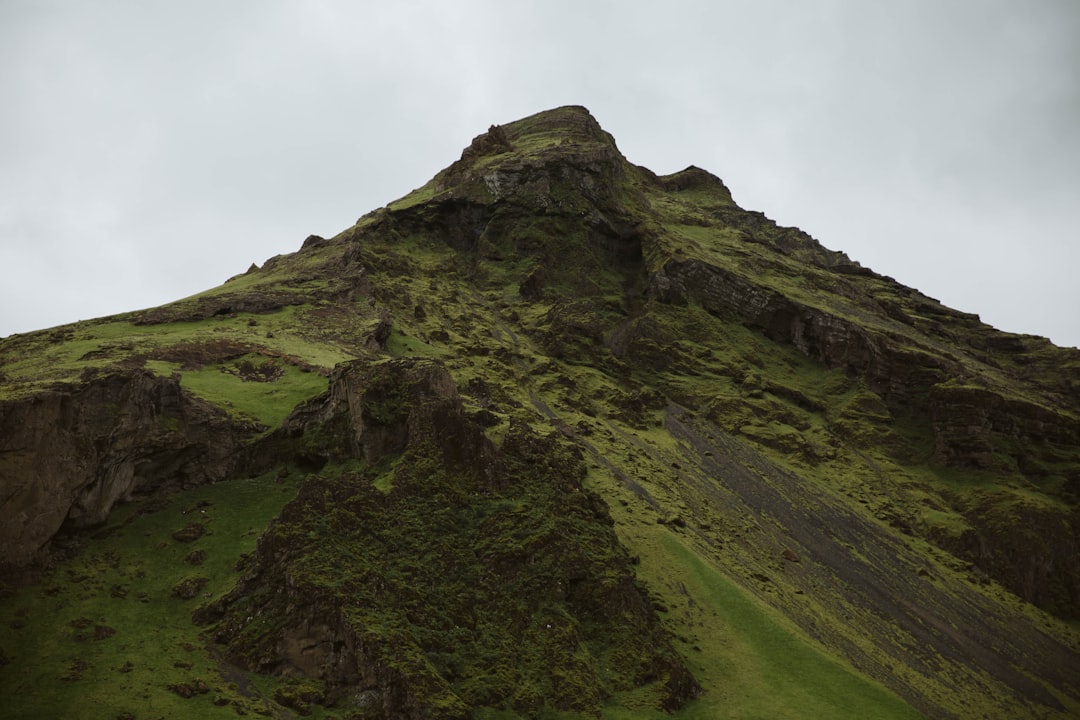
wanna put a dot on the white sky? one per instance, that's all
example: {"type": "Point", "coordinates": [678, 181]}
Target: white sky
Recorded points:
{"type": "Point", "coordinates": [149, 149]}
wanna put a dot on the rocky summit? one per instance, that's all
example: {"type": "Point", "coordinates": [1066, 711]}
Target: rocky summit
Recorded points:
{"type": "Point", "coordinates": [551, 436]}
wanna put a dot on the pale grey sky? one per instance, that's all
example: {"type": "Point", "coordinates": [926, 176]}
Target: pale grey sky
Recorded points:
{"type": "Point", "coordinates": [149, 150]}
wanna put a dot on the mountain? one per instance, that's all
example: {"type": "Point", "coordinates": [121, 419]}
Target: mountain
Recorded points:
{"type": "Point", "coordinates": [549, 437]}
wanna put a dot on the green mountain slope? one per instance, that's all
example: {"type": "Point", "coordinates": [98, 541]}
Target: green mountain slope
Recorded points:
{"type": "Point", "coordinates": [551, 436]}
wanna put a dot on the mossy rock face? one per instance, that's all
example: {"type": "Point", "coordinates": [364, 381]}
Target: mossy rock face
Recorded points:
{"type": "Point", "coordinates": [482, 577]}
{"type": "Point", "coordinates": [373, 412]}
{"type": "Point", "coordinates": [68, 455]}
{"type": "Point", "coordinates": [1030, 547]}
{"type": "Point", "coordinates": [299, 696]}
{"type": "Point", "coordinates": [977, 427]}
{"type": "Point", "coordinates": [189, 587]}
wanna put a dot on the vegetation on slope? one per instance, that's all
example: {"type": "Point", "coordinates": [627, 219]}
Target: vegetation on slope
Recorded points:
{"type": "Point", "coordinates": [106, 632]}
{"type": "Point", "coordinates": [843, 498]}
{"type": "Point", "coordinates": [448, 572]}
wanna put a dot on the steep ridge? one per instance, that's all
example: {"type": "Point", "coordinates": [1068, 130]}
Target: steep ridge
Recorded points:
{"type": "Point", "coordinates": [447, 574]}
{"type": "Point", "coordinates": [839, 497]}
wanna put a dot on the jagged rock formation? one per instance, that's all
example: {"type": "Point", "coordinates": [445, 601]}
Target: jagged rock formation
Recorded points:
{"type": "Point", "coordinates": [415, 581]}
{"type": "Point", "coordinates": [552, 376]}
{"type": "Point", "coordinates": [71, 452]}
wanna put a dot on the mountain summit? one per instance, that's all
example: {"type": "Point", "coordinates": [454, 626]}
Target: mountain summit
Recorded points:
{"type": "Point", "coordinates": [550, 436]}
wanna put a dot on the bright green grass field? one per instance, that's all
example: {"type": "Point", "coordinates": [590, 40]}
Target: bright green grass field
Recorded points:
{"type": "Point", "coordinates": [756, 664]}
{"type": "Point", "coordinates": [266, 402]}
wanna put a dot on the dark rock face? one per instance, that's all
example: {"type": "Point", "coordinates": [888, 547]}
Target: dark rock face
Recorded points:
{"type": "Point", "coordinates": [1031, 549]}
{"type": "Point", "coordinates": [69, 454]}
{"type": "Point", "coordinates": [833, 340]}
{"type": "Point", "coordinates": [694, 178]}
{"type": "Point", "coordinates": [974, 426]}
{"type": "Point", "coordinates": [446, 574]}
{"type": "Point", "coordinates": [373, 411]}
{"type": "Point", "coordinates": [589, 160]}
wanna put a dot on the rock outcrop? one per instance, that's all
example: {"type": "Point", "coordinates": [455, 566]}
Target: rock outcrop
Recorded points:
{"type": "Point", "coordinates": [68, 454]}
{"type": "Point", "coordinates": [442, 574]}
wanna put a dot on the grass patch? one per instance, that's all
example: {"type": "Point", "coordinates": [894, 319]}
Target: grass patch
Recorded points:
{"type": "Point", "coordinates": [754, 662]}
{"type": "Point", "coordinates": [267, 402]}
{"type": "Point", "coordinates": [404, 345]}
{"type": "Point", "coordinates": [105, 633]}
{"type": "Point", "coordinates": [32, 361]}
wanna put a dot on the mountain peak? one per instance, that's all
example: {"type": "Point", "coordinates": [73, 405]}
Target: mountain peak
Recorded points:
{"type": "Point", "coordinates": [564, 136]}
{"type": "Point", "coordinates": [572, 122]}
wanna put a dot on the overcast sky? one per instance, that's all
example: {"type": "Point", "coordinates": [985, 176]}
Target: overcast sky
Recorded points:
{"type": "Point", "coordinates": [150, 150]}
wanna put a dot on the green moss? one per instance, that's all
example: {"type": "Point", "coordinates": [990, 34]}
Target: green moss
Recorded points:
{"type": "Point", "coordinates": [30, 362]}
{"type": "Point", "coordinates": [400, 344]}
{"type": "Point", "coordinates": [251, 395]}
{"type": "Point", "coordinates": [493, 591]}
{"type": "Point", "coordinates": [416, 197]}
{"type": "Point", "coordinates": [122, 578]}
{"type": "Point", "coordinates": [755, 662]}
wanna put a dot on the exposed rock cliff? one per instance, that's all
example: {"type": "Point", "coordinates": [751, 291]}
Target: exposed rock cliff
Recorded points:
{"type": "Point", "coordinates": [69, 453]}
